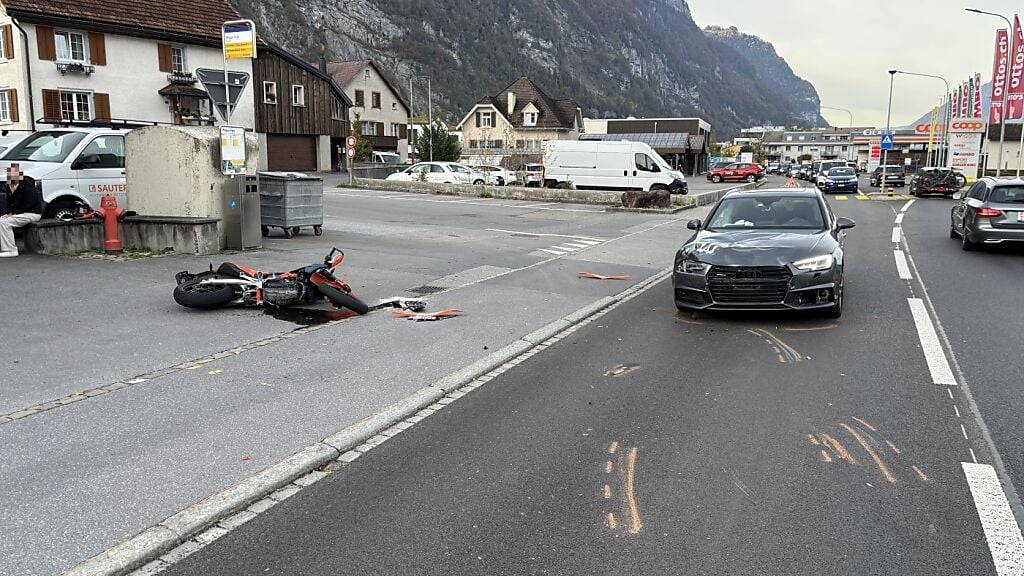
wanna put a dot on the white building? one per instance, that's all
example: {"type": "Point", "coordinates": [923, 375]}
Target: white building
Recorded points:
{"type": "Point", "coordinates": [383, 115]}
{"type": "Point", "coordinates": [93, 60]}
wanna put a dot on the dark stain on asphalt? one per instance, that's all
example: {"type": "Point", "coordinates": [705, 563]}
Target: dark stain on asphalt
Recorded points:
{"type": "Point", "coordinates": [309, 316]}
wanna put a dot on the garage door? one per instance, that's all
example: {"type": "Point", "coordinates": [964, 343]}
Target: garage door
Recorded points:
{"type": "Point", "coordinates": [289, 152]}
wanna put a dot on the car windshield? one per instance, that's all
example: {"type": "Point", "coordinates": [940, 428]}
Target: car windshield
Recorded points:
{"type": "Point", "coordinates": [458, 168]}
{"type": "Point", "coordinates": [50, 146]}
{"type": "Point", "coordinates": [390, 158]}
{"type": "Point", "coordinates": [768, 212]}
{"type": "Point", "coordinates": [1007, 195]}
{"type": "Point", "coordinates": [841, 172]}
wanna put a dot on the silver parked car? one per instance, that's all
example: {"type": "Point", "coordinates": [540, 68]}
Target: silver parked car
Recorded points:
{"type": "Point", "coordinates": [991, 211]}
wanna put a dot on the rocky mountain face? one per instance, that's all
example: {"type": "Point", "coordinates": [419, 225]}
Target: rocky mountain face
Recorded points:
{"type": "Point", "coordinates": [615, 57]}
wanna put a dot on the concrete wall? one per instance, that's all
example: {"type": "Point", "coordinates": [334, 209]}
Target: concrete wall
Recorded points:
{"type": "Point", "coordinates": [175, 171]}
{"type": "Point", "coordinates": [131, 77]}
{"type": "Point", "coordinates": [391, 112]}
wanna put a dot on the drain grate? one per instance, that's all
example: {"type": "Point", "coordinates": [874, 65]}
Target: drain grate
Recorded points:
{"type": "Point", "coordinates": [427, 289]}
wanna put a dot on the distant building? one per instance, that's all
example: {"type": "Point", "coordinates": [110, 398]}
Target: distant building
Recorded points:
{"type": "Point", "coordinates": [682, 142]}
{"type": "Point", "coordinates": [513, 125]}
{"type": "Point", "coordinates": [383, 112]}
{"type": "Point", "coordinates": [823, 144]}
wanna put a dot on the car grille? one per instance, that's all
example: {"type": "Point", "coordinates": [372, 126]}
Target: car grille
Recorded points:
{"type": "Point", "coordinates": [748, 285]}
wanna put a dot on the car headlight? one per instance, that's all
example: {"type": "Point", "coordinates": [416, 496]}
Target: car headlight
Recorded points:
{"type": "Point", "coordinates": [692, 267]}
{"type": "Point", "coordinates": [815, 264]}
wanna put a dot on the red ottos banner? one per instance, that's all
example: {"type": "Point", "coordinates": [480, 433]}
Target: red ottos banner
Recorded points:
{"type": "Point", "coordinates": [976, 113]}
{"type": "Point", "coordinates": [1015, 84]}
{"type": "Point", "coordinates": [999, 70]}
{"type": "Point", "coordinates": [965, 97]}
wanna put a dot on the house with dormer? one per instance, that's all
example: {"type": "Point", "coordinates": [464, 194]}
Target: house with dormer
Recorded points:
{"type": "Point", "coordinates": [512, 126]}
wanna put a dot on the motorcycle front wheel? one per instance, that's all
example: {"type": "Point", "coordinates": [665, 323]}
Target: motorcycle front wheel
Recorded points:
{"type": "Point", "coordinates": [196, 294]}
{"type": "Point", "coordinates": [343, 300]}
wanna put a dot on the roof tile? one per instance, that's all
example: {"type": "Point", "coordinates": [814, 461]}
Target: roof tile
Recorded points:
{"type": "Point", "coordinates": [189, 17]}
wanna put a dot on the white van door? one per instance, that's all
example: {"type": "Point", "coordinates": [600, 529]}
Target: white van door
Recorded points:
{"type": "Point", "coordinates": [645, 172]}
{"type": "Point", "coordinates": [99, 169]}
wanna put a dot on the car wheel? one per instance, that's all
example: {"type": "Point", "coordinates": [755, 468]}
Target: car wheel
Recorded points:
{"type": "Point", "coordinates": [65, 210]}
{"type": "Point", "coordinates": [836, 311]}
{"type": "Point", "coordinates": [966, 243]}
{"type": "Point", "coordinates": [478, 182]}
{"type": "Point", "coordinates": [751, 178]}
{"type": "Point", "coordinates": [952, 233]}
{"type": "Point", "coordinates": [716, 179]}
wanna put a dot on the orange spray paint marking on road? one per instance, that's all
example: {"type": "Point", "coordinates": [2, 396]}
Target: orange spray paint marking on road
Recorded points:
{"type": "Point", "coordinates": [825, 457]}
{"type": "Point", "coordinates": [867, 448]}
{"type": "Point", "coordinates": [893, 447]}
{"type": "Point", "coordinates": [611, 521]}
{"type": "Point", "coordinates": [607, 492]}
{"type": "Point", "coordinates": [813, 439]}
{"type": "Point", "coordinates": [608, 467]}
{"type": "Point", "coordinates": [613, 447]}
{"type": "Point", "coordinates": [634, 515]}
{"type": "Point", "coordinates": [866, 424]}
{"type": "Point", "coordinates": [839, 449]}
{"type": "Point", "coordinates": [920, 474]}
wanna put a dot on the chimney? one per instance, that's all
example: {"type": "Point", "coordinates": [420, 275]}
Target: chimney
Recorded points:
{"type": "Point", "coordinates": [511, 102]}
{"type": "Point", "coordinates": [323, 64]}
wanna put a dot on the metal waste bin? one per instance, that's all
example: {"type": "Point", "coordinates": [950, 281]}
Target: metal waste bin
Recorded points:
{"type": "Point", "coordinates": [242, 213]}
{"type": "Point", "coordinates": [291, 201]}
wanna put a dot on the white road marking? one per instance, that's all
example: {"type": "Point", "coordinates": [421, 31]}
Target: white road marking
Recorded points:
{"type": "Point", "coordinates": [950, 392]}
{"type": "Point", "coordinates": [541, 235]}
{"type": "Point", "coordinates": [590, 242]}
{"type": "Point", "coordinates": [556, 252]}
{"type": "Point", "coordinates": [562, 247]}
{"type": "Point", "coordinates": [938, 365]}
{"type": "Point", "coordinates": [973, 457]}
{"type": "Point", "coordinates": [576, 245]}
{"type": "Point", "coordinates": [901, 265]}
{"type": "Point", "coordinates": [957, 410]}
{"type": "Point", "coordinates": [1001, 530]}
{"type": "Point", "coordinates": [908, 204]}
{"type": "Point", "coordinates": [896, 235]}
{"type": "Point", "coordinates": [899, 217]}
{"type": "Point", "coordinates": [964, 432]}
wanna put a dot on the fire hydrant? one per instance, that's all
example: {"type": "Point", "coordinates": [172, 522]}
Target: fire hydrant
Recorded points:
{"type": "Point", "coordinates": [111, 214]}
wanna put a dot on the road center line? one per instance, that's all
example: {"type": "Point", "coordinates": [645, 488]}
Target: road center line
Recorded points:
{"type": "Point", "coordinates": [899, 217]}
{"type": "Point", "coordinates": [901, 265]}
{"type": "Point", "coordinates": [896, 235]}
{"type": "Point", "coordinates": [1001, 530]}
{"type": "Point", "coordinates": [938, 365]}
{"type": "Point", "coordinates": [908, 204]}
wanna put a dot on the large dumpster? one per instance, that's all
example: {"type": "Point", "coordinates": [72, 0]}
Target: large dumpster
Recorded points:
{"type": "Point", "coordinates": [291, 201]}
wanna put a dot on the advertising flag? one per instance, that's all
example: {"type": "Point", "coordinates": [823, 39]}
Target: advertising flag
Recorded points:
{"type": "Point", "coordinates": [931, 130]}
{"type": "Point", "coordinates": [999, 69]}
{"type": "Point", "coordinates": [1015, 85]}
{"type": "Point", "coordinates": [970, 96]}
{"type": "Point", "coordinates": [954, 103]}
{"type": "Point", "coordinates": [964, 98]}
{"type": "Point", "coordinates": [976, 113]}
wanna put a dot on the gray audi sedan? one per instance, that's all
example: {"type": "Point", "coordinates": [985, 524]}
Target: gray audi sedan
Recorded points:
{"type": "Point", "coordinates": [779, 249]}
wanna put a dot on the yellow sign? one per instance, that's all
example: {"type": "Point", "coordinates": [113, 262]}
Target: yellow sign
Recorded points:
{"type": "Point", "coordinates": [232, 150]}
{"type": "Point", "coordinates": [239, 39]}
{"type": "Point", "coordinates": [931, 130]}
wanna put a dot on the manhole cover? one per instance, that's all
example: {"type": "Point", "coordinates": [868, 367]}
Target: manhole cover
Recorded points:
{"type": "Point", "coordinates": [427, 289]}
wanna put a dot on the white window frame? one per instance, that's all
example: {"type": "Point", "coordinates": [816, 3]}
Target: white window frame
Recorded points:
{"type": "Point", "coordinates": [487, 118]}
{"type": "Point", "coordinates": [300, 100]}
{"type": "Point", "coordinates": [184, 60]}
{"type": "Point", "coordinates": [530, 118]}
{"type": "Point", "coordinates": [68, 34]}
{"type": "Point", "coordinates": [368, 128]}
{"type": "Point", "coordinates": [5, 102]}
{"type": "Point", "coordinates": [267, 83]}
{"type": "Point", "coordinates": [394, 129]}
{"type": "Point", "coordinates": [2, 50]}
{"type": "Point", "coordinates": [78, 96]}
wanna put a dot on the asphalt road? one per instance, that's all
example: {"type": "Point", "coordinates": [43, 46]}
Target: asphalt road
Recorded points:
{"type": "Point", "coordinates": [655, 442]}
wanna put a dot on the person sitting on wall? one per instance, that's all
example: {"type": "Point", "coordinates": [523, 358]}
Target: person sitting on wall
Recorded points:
{"type": "Point", "coordinates": [21, 203]}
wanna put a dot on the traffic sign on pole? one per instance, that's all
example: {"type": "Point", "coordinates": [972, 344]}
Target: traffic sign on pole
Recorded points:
{"type": "Point", "coordinates": [886, 142]}
{"type": "Point", "coordinates": [225, 93]}
{"type": "Point", "coordinates": [350, 152]}
{"type": "Point", "coordinates": [350, 141]}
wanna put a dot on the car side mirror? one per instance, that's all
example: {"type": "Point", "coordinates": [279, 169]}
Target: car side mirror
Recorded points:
{"type": "Point", "coordinates": [845, 224]}
{"type": "Point", "coordinates": [85, 162]}
{"type": "Point", "coordinates": [959, 195]}
{"type": "Point", "coordinates": [694, 224]}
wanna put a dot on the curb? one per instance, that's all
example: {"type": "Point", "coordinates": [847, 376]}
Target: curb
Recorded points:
{"type": "Point", "coordinates": [161, 538]}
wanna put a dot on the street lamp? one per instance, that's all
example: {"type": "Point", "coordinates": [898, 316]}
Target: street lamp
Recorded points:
{"type": "Point", "coordinates": [1002, 111]}
{"type": "Point", "coordinates": [430, 115]}
{"type": "Point", "coordinates": [949, 108]}
{"type": "Point", "coordinates": [850, 127]}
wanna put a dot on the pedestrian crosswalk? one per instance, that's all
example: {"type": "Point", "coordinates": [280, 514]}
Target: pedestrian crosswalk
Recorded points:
{"type": "Point", "coordinates": [575, 245]}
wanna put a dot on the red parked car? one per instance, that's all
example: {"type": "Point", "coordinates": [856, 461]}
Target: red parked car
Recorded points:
{"type": "Point", "coordinates": [736, 171]}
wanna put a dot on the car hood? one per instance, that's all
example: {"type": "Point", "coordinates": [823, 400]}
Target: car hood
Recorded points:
{"type": "Point", "coordinates": [37, 170]}
{"type": "Point", "coordinates": [757, 247]}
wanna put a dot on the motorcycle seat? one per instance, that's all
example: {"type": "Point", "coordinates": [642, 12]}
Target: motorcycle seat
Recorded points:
{"type": "Point", "coordinates": [230, 270]}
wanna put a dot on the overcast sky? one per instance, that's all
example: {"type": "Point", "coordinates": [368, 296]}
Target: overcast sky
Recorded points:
{"type": "Point", "coordinates": [845, 47]}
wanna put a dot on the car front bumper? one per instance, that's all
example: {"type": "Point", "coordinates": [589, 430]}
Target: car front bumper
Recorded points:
{"type": "Point", "coordinates": [678, 187]}
{"type": "Point", "coordinates": [802, 291]}
{"type": "Point", "coordinates": [850, 186]}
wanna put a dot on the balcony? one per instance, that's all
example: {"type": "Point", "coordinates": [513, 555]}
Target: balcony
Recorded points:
{"type": "Point", "coordinates": [75, 67]}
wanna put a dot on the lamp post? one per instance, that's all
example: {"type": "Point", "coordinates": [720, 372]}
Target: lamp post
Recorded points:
{"type": "Point", "coordinates": [430, 116]}
{"type": "Point", "coordinates": [949, 111]}
{"type": "Point", "coordinates": [1002, 111]}
{"type": "Point", "coordinates": [850, 127]}
{"type": "Point", "coordinates": [888, 121]}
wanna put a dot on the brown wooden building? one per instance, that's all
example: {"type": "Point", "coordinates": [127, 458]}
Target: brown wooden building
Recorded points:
{"type": "Point", "coordinates": [301, 113]}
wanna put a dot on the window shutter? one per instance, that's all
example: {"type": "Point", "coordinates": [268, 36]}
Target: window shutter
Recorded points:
{"type": "Point", "coordinates": [51, 106]}
{"type": "Point", "coordinates": [97, 48]}
{"type": "Point", "coordinates": [12, 103]}
{"type": "Point", "coordinates": [46, 45]}
{"type": "Point", "coordinates": [380, 128]}
{"type": "Point", "coordinates": [102, 104]}
{"type": "Point", "coordinates": [478, 121]}
{"type": "Point", "coordinates": [164, 57]}
{"type": "Point", "coordinates": [8, 42]}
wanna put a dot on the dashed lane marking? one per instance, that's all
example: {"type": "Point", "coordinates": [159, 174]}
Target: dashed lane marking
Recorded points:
{"type": "Point", "coordinates": [841, 198]}
{"type": "Point", "coordinates": [899, 217]}
{"type": "Point", "coordinates": [896, 235]}
{"type": "Point", "coordinates": [901, 265]}
{"type": "Point", "coordinates": [1001, 530]}
{"type": "Point", "coordinates": [938, 365]}
{"type": "Point", "coordinates": [908, 204]}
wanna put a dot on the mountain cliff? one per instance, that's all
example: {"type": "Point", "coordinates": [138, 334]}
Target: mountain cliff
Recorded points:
{"type": "Point", "coordinates": [615, 57]}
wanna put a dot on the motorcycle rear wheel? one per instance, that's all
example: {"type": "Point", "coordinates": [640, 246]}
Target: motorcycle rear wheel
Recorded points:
{"type": "Point", "coordinates": [195, 294]}
{"type": "Point", "coordinates": [343, 300]}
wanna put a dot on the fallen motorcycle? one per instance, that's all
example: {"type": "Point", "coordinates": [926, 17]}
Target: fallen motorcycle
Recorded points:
{"type": "Point", "coordinates": [234, 284]}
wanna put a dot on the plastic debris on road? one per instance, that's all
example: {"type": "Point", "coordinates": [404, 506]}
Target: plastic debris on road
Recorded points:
{"type": "Point", "coordinates": [592, 276]}
{"type": "Point", "coordinates": [427, 316]}
{"type": "Point", "coordinates": [412, 304]}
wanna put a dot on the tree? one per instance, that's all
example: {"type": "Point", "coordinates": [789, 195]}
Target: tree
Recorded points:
{"type": "Point", "coordinates": [747, 148]}
{"type": "Point", "coordinates": [446, 147]}
{"type": "Point", "coordinates": [364, 150]}
{"type": "Point", "coordinates": [805, 157]}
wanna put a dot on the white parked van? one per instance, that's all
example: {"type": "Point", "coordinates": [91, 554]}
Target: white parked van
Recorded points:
{"type": "Point", "coordinates": [76, 167]}
{"type": "Point", "coordinates": [603, 165]}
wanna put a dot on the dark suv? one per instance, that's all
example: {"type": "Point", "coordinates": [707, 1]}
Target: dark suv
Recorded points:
{"type": "Point", "coordinates": [894, 176]}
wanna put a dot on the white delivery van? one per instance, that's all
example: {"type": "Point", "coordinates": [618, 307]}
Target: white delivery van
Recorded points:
{"type": "Point", "coordinates": [76, 166]}
{"type": "Point", "coordinates": [603, 165]}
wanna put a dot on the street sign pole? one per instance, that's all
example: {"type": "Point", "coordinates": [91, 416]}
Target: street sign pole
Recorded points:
{"type": "Point", "coordinates": [888, 120]}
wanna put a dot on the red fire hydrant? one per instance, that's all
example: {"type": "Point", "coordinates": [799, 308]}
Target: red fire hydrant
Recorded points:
{"type": "Point", "coordinates": [111, 214]}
